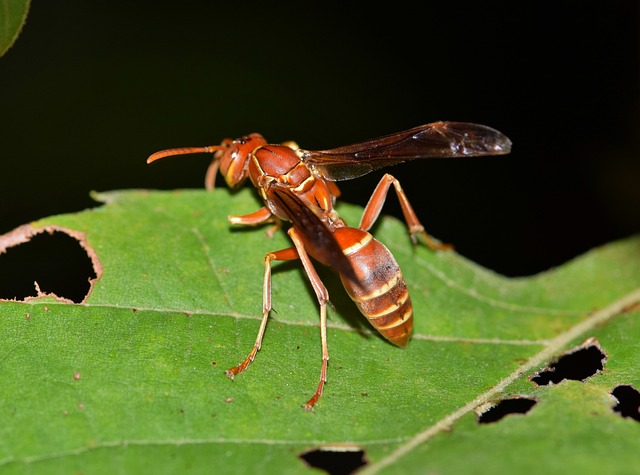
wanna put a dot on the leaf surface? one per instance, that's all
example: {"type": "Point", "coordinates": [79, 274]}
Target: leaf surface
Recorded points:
{"type": "Point", "coordinates": [133, 380]}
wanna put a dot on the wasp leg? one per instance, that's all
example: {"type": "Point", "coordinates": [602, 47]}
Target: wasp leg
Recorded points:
{"type": "Point", "coordinates": [263, 215]}
{"type": "Point", "coordinates": [288, 254]}
{"type": "Point", "coordinates": [323, 297]}
{"type": "Point", "coordinates": [374, 206]}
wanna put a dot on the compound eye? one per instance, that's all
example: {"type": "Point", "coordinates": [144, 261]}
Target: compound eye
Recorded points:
{"type": "Point", "coordinates": [243, 140]}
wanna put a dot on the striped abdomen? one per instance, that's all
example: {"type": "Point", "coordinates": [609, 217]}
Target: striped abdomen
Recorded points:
{"type": "Point", "coordinates": [379, 289]}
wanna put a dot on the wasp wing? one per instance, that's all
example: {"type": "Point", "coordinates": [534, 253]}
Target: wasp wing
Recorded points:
{"type": "Point", "coordinates": [315, 232]}
{"type": "Point", "coordinates": [436, 140]}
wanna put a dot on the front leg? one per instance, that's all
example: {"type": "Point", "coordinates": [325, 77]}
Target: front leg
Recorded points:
{"type": "Point", "coordinates": [263, 215]}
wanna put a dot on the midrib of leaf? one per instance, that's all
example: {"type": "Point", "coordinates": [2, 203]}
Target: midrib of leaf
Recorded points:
{"type": "Point", "coordinates": [554, 346]}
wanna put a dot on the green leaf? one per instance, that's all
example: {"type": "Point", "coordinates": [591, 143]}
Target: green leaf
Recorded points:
{"type": "Point", "coordinates": [132, 380]}
{"type": "Point", "coordinates": [13, 15]}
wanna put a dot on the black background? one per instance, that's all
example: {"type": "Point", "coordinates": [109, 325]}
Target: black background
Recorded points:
{"type": "Point", "coordinates": [90, 89]}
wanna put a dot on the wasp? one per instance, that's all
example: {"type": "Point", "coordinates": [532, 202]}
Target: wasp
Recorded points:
{"type": "Point", "coordinates": [299, 186]}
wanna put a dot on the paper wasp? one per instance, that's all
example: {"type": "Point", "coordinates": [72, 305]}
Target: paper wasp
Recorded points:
{"type": "Point", "coordinates": [298, 186]}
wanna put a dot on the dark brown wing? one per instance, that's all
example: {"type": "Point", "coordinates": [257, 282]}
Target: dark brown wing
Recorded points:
{"type": "Point", "coordinates": [310, 225]}
{"type": "Point", "coordinates": [436, 140]}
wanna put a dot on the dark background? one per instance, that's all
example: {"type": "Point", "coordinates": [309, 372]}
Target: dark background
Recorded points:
{"type": "Point", "coordinates": [90, 89]}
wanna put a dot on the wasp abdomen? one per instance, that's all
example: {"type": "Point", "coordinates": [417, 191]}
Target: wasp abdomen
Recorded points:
{"type": "Point", "coordinates": [377, 287]}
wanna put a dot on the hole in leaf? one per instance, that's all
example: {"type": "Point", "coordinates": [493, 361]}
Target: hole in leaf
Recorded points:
{"type": "Point", "coordinates": [335, 460]}
{"type": "Point", "coordinates": [516, 405]}
{"type": "Point", "coordinates": [578, 365]}
{"type": "Point", "coordinates": [53, 262]}
{"type": "Point", "coordinates": [628, 401]}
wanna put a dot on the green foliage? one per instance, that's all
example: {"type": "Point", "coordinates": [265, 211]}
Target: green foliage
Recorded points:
{"type": "Point", "coordinates": [13, 15]}
{"type": "Point", "coordinates": [132, 381]}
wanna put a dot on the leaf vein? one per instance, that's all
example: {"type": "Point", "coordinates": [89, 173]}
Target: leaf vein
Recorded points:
{"type": "Point", "coordinates": [214, 269]}
{"type": "Point", "coordinates": [116, 444]}
{"type": "Point", "coordinates": [473, 293]}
